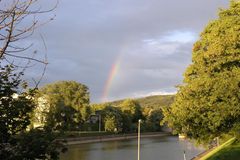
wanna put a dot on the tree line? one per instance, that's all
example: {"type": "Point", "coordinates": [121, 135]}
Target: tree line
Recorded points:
{"type": "Point", "coordinates": [65, 106]}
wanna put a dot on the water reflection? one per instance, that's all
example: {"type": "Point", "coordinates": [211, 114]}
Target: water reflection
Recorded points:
{"type": "Point", "coordinates": [161, 148]}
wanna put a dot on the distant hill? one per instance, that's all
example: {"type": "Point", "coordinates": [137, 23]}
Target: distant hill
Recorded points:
{"type": "Point", "coordinates": [151, 101]}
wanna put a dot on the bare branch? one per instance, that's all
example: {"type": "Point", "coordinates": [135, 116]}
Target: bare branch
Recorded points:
{"type": "Point", "coordinates": [19, 66]}
{"type": "Point", "coordinates": [14, 30]}
{"type": "Point", "coordinates": [45, 66]}
{"type": "Point", "coordinates": [2, 51]}
{"type": "Point", "coordinates": [18, 49]}
{"type": "Point", "coordinates": [28, 58]}
{"type": "Point", "coordinates": [41, 77]}
{"type": "Point", "coordinates": [17, 22]}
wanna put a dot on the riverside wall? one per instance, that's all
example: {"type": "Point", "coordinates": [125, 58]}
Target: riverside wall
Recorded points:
{"type": "Point", "coordinates": [114, 137]}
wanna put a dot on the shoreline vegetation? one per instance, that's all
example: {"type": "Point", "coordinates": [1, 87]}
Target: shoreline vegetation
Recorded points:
{"type": "Point", "coordinates": [112, 137]}
{"type": "Point", "coordinates": [230, 152]}
{"type": "Point", "coordinates": [211, 152]}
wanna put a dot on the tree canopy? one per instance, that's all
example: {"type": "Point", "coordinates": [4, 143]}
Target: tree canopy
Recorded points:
{"type": "Point", "coordinates": [15, 106]}
{"type": "Point", "coordinates": [133, 108]}
{"type": "Point", "coordinates": [68, 103]}
{"type": "Point", "coordinates": [208, 102]}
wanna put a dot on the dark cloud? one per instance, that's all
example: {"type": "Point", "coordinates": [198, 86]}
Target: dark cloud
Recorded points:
{"type": "Point", "coordinates": [153, 38]}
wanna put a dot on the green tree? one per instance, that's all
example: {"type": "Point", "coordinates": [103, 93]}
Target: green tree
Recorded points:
{"type": "Point", "coordinates": [207, 104]}
{"type": "Point", "coordinates": [68, 102]}
{"type": "Point", "coordinates": [61, 117]}
{"type": "Point", "coordinates": [153, 120]}
{"type": "Point", "coordinates": [110, 123]}
{"type": "Point", "coordinates": [132, 112]}
{"type": "Point", "coordinates": [134, 108]}
{"type": "Point", "coordinates": [15, 106]}
{"type": "Point", "coordinates": [112, 118]}
{"type": "Point", "coordinates": [32, 145]}
{"type": "Point", "coordinates": [85, 112]}
{"type": "Point", "coordinates": [127, 125]}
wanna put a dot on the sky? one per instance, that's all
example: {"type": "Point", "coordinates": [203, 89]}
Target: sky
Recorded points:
{"type": "Point", "coordinates": [122, 48]}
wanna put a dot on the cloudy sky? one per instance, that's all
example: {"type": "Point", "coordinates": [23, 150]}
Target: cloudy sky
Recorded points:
{"type": "Point", "coordinates": [124, 48]}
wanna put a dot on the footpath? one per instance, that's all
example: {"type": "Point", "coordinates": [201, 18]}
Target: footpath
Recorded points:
{"type": "Point", "coordinates": [114, 137]}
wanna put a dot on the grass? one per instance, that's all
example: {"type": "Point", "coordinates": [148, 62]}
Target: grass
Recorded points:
{"type": "Point", "coordinates": [230, 150]}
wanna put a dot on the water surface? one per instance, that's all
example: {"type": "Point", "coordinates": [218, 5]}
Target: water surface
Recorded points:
{"type": "Point", "coordinates": [156, 148]}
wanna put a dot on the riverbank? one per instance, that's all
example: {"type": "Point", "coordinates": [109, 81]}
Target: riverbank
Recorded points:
{"type": "Point", "coordinates": [114, 137]}
{"type": "Point", "coordinates": [209, 153]}
{"type": "Point", "coordinates": [230, 152]}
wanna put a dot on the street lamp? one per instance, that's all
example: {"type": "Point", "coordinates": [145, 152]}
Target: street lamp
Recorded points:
{"type": "Point", "coordinates": [184, 155]}
{"type": "Point", "coordinates": [139, 129]}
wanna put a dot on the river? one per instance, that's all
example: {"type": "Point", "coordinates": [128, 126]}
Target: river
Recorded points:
{"type": "Point", "coordinates": [156, 148]}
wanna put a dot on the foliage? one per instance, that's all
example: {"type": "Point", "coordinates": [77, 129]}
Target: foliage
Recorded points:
{"type": "Point", "coordinates": [153, 120]}
{"type": "Point", "coordinates": [68, 104]}
{"type": "Point", "coordinates": [133, 108]}
{"type": "Point", "coordinates": [15, 112]}
{"type": "Point", "coordinates": [207, 104]}
{"type": "Point", "coordinates": [236, 130]}
{"type": "Point", "coordinates": [157, 101]}
{"type": "Point", "coordinates": [127, 125]}
{"type": "Point", "coordinates": [112, 118]}
{"type": "Point", "coordinates": [61, 118]}
{"type": "Point", "coordinates": [27, 146]}
{"type": "Point", "coordinates": [16, 107]}
{"type": "Point", "coordinates": [18, 20]}
{"type": "Point", "coordinates": [132, 112]}
{"type": "Point", "coordinates": [85, 112]}
{"type": "Point", "coordinates": [110, 123]}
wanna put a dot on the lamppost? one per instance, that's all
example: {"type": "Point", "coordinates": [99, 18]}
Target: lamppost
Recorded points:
{"type": "Point", "coordinates": [184, 155]}
{"type": "Point", "coordinates": [139, 130]}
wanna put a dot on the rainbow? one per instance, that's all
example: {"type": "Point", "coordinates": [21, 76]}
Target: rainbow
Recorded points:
{"type": "Point", "coordinates": [113, 72]}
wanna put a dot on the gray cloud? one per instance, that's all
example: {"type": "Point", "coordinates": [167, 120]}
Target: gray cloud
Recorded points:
{"type": "Point", "coordinates": [153, 38]}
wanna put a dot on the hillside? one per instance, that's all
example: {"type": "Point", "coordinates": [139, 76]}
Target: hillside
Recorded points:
{"type": "Point", "coordinates": [151, 101]}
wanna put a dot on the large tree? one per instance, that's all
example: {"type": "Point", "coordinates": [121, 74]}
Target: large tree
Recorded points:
{"type": "Point", "coordinates": [68, 103]}
{"type": "Point", "coordinates": [207, 104]}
